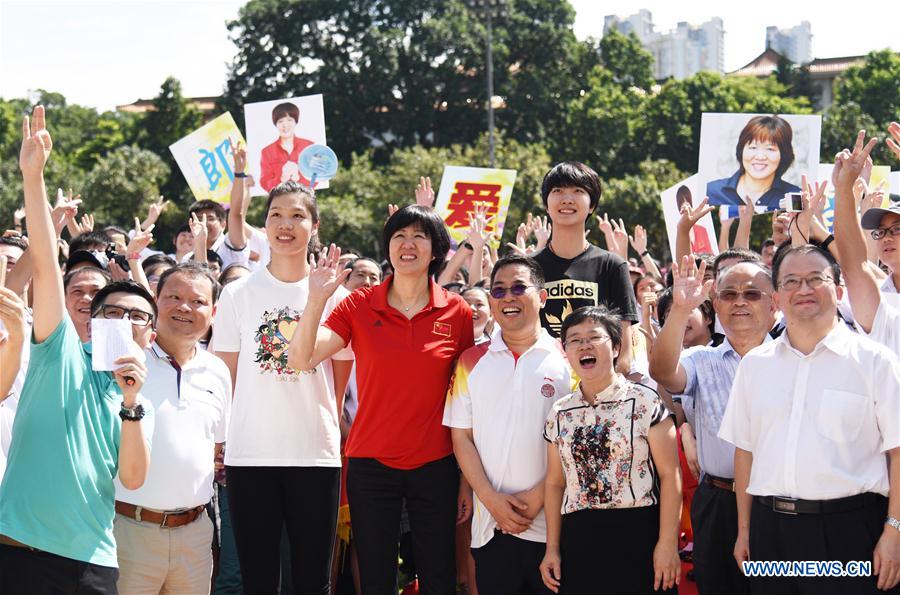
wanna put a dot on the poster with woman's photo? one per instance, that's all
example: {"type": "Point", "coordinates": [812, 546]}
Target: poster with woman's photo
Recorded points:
{"type": "Point", "coordinates": [703, 234]}
{"type": "Point", "coordinates": [277, 132]}
{"type": "Point", "coordinates": [756, 158]}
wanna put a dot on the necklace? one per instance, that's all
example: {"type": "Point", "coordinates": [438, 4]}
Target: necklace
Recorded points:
{"type": "Point", "coordinates": [411, 306]}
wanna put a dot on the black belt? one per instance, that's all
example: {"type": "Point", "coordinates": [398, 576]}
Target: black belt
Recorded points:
{"type": "Point", "coordinates": [719, 482]}
{"type": "Point", "coordinates": [796, 506]}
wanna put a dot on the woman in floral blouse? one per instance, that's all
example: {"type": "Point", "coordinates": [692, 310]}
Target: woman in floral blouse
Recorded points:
{"type": "Point", "coordinates": [613, 487]}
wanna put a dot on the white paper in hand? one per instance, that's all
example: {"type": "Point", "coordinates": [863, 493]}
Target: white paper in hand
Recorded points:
{"type": "Point", "coordinates": [110, 340]}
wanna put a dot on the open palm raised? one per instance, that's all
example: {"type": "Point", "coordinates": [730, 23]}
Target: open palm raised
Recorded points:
{"type": "Point", "coordinates": [324, 276]}
{"type": "Point", "coordinates": [689, 290]}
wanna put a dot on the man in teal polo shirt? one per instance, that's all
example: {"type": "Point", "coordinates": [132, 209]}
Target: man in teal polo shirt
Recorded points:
{"type": "Point", "coordinates": [75, 428]}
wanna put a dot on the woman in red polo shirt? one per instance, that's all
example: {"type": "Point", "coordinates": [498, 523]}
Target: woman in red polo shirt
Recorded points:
{"type": "Point", "coordinates": [406, 334]}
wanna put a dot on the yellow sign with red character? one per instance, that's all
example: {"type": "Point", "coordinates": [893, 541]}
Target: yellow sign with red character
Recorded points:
{"type": "Point", "coordinates": [464, 188]}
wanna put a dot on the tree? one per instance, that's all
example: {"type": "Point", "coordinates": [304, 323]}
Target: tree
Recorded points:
{"type": "Point", "coordinates": [872, 86]}
{"type": "Point", "coordinates": [626, 59]}
{"type": "Point", "coordinates": [668, 123]}
{"type": "Point", "coordinates": [797, 80]}
{"type": "Point", "coordinates": [123, 184]}
{"type": "Point", "coordinates": [397, 73]}
{"type": "Point", "coordinates": [171, 119]}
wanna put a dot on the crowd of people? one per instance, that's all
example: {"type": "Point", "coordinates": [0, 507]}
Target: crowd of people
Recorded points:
{"type": "Point", "coordinates": [291, 416]}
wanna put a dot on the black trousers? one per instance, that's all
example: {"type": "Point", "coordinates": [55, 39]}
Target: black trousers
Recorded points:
{"type": "Point", "coordinates": [28, 572]}
{"type": "Point", "coordinates": [304, 500]}
{"type": "Point", "coordinates": [714, 519]}
{"type": "Point", "coordinates": [843, 536]}
{"type": "Point", "coordinates": [376, 493]}
{"type": "Point", "coordinates": [609, 551]}
{"type": "Point", "coordinates": [508, 565]}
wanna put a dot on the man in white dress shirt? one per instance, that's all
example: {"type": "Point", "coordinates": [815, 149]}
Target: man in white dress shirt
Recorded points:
{"type": "Point", "coordinates": [812, 415]}
{"type": "Point", "coordinates": [163, 533]}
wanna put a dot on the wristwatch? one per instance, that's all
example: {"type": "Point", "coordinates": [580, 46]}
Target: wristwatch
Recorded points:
{"type": "Point", "coordinates": [895, 523]}
{"type": "Point", "coordinates": [240, 174]}
{"type": "Point", "coordinates": [135, 413]}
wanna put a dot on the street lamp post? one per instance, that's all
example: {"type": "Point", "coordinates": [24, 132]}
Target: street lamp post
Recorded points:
{"type": "Point", "coordinates": [489, 10]}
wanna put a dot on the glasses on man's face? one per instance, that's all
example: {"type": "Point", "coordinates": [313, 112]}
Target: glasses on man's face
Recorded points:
{"type": "Point", "coordinates": [879, 233]}
{"type": "Point", "coordinates": [137, 317]}
{"type": "Point", "coordinates": [578, 342]}
{"type": "Point", "coordinates": [732, 295]}
{"type": "Point", "coordinates": [517, 289]}
{"type": "Point", "coordinates": [813, 282]}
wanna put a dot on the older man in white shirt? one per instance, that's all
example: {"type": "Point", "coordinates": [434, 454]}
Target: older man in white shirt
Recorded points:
{"type": "Point", "coordinates": [163, 533]}
{"type": "Point", "coordinates": [812, 415]}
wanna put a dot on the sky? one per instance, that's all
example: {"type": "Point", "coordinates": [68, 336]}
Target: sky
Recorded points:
{"type": "Point", "coordinates": [107, 53]}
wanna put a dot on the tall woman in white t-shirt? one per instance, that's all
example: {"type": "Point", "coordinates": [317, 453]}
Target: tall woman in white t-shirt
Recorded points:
{"type": "Point", "coordinates": [283, 449]}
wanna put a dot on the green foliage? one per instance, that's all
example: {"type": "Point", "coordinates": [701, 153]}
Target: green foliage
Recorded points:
{"type": "Point", "coordinates": [872, 86]}
{"type": "Point", "coordinates": [626, 60]}
{"type": "Point", "coordinates": [122, 185]}
{"type": "Point", "coordinates": [405, 91]}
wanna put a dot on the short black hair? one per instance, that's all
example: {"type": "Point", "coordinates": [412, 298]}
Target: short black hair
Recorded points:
{"type": "Point", "coordinates": [664, 305]}
{"type": "Point", "coordinates": [572, 173]}
{"type": "Point", "coordinates": [156, 260]}
{"type": "Point", "coordinates": [111, 230]}
{"type": "Point", "coordinates": [353, 262]}
{"type": "Point", "coordinates": [786, 250]}
{"type": "Point", "coordinates": [67, 278]}
{"type": "Point", "coordinates": [430, 222]}
{"type": "Point", "coordinates": [126, 286]}
{"type": "Point", "coordinates": [478, 288]}
{"type": "Point", "coordinates": [213, 256]}
{"type": "Point", "coordinates": [739, 254]}
{"type": "Point", "coordinates": [90, 241]}
{"type": "Point", "coordinates": [15, 241]}
{"type": "Point", "coordinates": [223, 276]}
{"type": "Point", "coordinates": [608, 319]}
{"type": "Point", "coordinates": [766, 243]}
{"type": "Point", "coordinates": [208, 205]}
{"type": "Point", "coordinates": [191, 270]}
{"type": "Point", "coordinates": [534, 268]}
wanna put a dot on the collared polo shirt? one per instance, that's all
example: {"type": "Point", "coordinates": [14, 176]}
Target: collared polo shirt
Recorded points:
{"type": "Point", "coordinates": [403, 370]}
{"type": "Point", "coordinates": [818, 425]}
{"type": "Point", "coordinates": [710, 373]}
{"type": "Point", "coordinates": [58, 494]}
{"type": "Point", "coordinates": [192, 405]}
{"type": "Point", "coordinates": [505, 402]}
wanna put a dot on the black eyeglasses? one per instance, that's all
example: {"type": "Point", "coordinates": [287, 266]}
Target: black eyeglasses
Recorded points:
{"type": "Point", "coordinates": [518, 289]}
{"type": "Point", "coordinates": [879, 233]}
{"type": "Point", "coordinates": [137, 317]}
{"type": "Point", "coordinates": [731, 295]}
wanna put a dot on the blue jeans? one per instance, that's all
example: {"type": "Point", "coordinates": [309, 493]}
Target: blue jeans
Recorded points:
{"type": "Point", "coordinates": [228, 581]}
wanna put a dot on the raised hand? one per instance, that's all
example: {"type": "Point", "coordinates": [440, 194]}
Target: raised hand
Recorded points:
{"type": "Point", "coordinates": [813, 203]}
{"type": "Point", "coordinates": [199, 231]}
{"type": "Point", "coordinates": [893, 143]}
{"type": "Point", "coordinates": [639, 240]}
{"type": "Point", "coordinates": [689, 216]}
{"type": "Point", "coordinates": [850, 165]}
{"type": "Point", "coordinates": [604, 225]}
{"type": "Point", "coordinates": [477, 226]}
{"type": "Point", "coordinates": [424, 193]}
{"type": "Point", "coordinates": [324, 276]}
{"type": "Point", "coordinates": [392, 208]}
{"type": "Point", "coordinates": [18, 216]}
{"type": "Point", "coordinates": [154, 211]}
{"type": "Point", "coordinates": [542, 231]}
{"type": "Point", "coordinates": [85, 225]}
{"type": "Point", "coordinates": [239, 152]}
{"type": "Point", "coordinates": [36, 143]}
{"type": "Point", "coordinates": [688, 288]}
{"type": "Point", "coordinates": [143, 238]}
{"type": "Point", "coordinates": [621, 234]}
